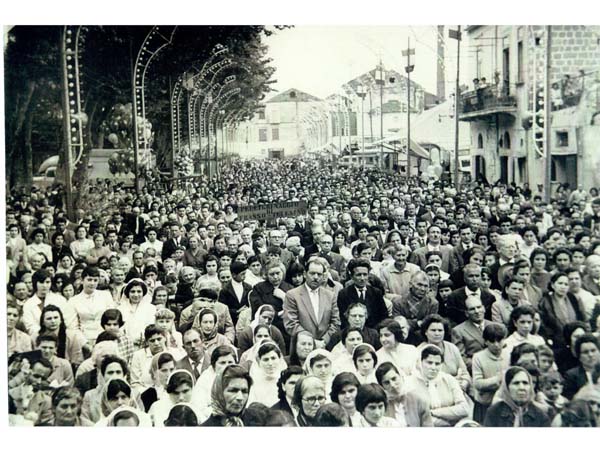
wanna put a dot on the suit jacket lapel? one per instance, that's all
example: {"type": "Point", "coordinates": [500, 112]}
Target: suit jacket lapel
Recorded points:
{"type": "Point", "coordinates": [308, 304]}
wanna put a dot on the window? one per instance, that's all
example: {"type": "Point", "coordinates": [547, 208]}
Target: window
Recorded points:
{"type": "Point", "coordinates": [479, 140]}
{"type": "Point", "coordinates": [520, 65]}
{"type": "Point", "coordinates": [262, 135]}
{"type": "Point", "coordinates": [562, 138]}
{"type": "Point", "coordinates": [275, 134]}
{"type": "Point", "coordinates": [261, 114]}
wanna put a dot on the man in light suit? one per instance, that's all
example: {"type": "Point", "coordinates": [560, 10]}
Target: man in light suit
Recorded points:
{"type": "Point", "coordinates": [196, 361]}
{"type": "Point", "coordinates": [468, 336]}
{"type": "Point", "coordinates": [310, 307]}
{"type": "Point", "coordinates": [434, 243]}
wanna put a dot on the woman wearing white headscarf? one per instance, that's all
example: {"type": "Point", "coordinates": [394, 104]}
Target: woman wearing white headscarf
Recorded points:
{"type": "Point", "coordinates": [128, 416]}
{"type": "Point", "coordinates": [179, 389]}
{"type": "Point", "coordinates": [265, 372]}
{"type": "Point", "coordinates": [264, 316]}
{"type": "Point", "coordinates": [319, 363]}
{"type": "Point", "coordinates": [117, 394]}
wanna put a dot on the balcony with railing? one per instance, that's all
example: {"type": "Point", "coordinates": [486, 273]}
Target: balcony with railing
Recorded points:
{"type": "Point", "coordinates": [484, 101]}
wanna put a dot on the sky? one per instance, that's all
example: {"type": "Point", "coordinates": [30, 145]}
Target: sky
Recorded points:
{"type": "Point", "coordinates": [319, 59]}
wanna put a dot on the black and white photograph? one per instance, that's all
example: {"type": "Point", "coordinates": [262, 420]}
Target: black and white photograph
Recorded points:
{"type": "Point", "coordinates": [302, 225]}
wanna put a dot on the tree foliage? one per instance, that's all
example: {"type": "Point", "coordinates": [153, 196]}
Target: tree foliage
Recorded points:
{"type": "Point", "coordinates": [33, 74]}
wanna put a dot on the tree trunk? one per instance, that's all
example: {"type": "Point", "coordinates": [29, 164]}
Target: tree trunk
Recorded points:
{"type": "Point", "coordinates": [28, 149]}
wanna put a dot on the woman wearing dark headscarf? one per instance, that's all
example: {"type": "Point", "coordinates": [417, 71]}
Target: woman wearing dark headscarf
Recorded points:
{"type": "Point", "coordinates": [206, 323]}
{"type": "Point", "coordinates": [516, 407]}
{"type": "Point", "coordinates": [229, 397]}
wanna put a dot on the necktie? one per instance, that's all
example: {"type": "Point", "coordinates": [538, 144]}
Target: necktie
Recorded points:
{"type": "Point", "coordinates": [362, 295]}
{"type": "Point", "coordinates": [196, 373]}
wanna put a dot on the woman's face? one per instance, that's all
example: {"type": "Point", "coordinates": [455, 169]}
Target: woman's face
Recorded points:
{"type": "Point", "coordinates": [266, 317]}
{"type": "Point", "coordinates": [519, 388]}
{"type": "Point", "coordinates": [353, 339]}
{"type": "Point", "coordinates": [387, 338]}
{"type": "Point", "coordinates": [255, 268]}
{"type": "Point", "coordinates": [269, 362]}
{"type": "Point", "coordinates": [164, 372]}
{"type": "Point", "coordinates": [12, 317]}
{"type": "Point", "coordinates": [121, 399]}
{"type": "Point", "coordinates": [483, 241]}
{"type": "Point", "coordinates": [290, 385]}
{"type": "Point", "coordinates": [68, 291]}
{"type": "Point", "coordinates": [207, 324]}
{"type": "Point", "coordinates": [539, 262]}
{"type": "Point", "coordinates": [43, 287]}
{"type": "Point", "coordinates": [313, 398]}
{"type": "Point", "coordinates": [561, 286]}
{"type": "Point", "coordinates": [261, 335]}
{"type": "Point", "coordinates": [211, 267]}
{"type": "Point", "coordinates": [236, 395]}
{"type": "Point", "coordinates": [373, 412]}
{"type": "Point", "coordinates": [164, 324]}
{"type": "Point", "coordinates": [304, 346]}
{"type": "Point", "coordinates": [365, 364]}
{"type": "Point", "coordinates": [223, 362]}
{"type": "Point", "coordinates": [182, 394]}
{"type": "Point", "coordinates": [524, 325]}
{"type": "Point", "coordinates": [347, 397]}
{"type": "Point", "coordinates": [339, 240]}
{"type": "Point", "coordinates": [435, 333]}
{"type": "Point", "coordinates": [322, 369]}
{"type": "Point", "coordinates": [52, 320]}
{"type": "Point", "coordinates": [432, 366]}
{"type": "Point", "coordinates": [136, 293]}
{"type": "Point", "coordinates": [160, 297]}
{"type": "Point", "coordinates": [275, 276]}
{"type": "Point", "coordinates": [66, 262]}
{"type": "Point", "coordinates": [514, 292]}
{"type": "Point", "coordinates": [298, 279]}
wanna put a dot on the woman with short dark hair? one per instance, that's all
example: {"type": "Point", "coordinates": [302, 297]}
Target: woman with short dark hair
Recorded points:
{"type": "Point", "coordinates": [343, 391]}
{"type": "Point", "coordinates": [447, 401]}
{"type": "Point", "coordinates": [371, 403]}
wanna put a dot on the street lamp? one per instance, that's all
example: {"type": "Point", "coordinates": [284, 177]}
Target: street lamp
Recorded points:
{"type": "Point", "coordinates": [362, 93]}
{"type": "Point", "coordinates": [380, 80]}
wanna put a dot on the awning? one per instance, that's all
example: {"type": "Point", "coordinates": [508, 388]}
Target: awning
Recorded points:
{"type": "Point", "coordinates": [397, 144]}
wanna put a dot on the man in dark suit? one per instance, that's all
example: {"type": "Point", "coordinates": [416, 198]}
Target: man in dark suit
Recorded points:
{"type": "Point", "coordinates": [137, 270]}
{"type": "Point", "coordinates": [434, 243]}
{"type": "Point", "coordinates": [466, 242]}
{"type": "Point", "coordinates": [175, 241]}
{"type": "Point", "coordinates": [234, 293]}
{"type": "Point", "coordinates": [360, 292]}
{"type": "Point", "coordinates": [468, 336]}
{"type": "Point", "coordinates": [587, 350]}
{"type": "Point", "coordinates": [455, 304]}
{"type": "Point", "coordinates": [312, 308]}
{"type": "Point", "coordinates": [135, 223]}
{"type": "Point", "coordinates": [196, 361]}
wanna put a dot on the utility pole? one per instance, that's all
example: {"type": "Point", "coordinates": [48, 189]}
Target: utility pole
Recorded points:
{"type": "Point", "coordinates": [409, 68]}
{"type": "Point", "coordinates": [380, 80]}
{"type": "Point", "coordinates": [456, 34]}
{"type": "Point", "coordinates": [67, 155]}
{"type": "Point", "coordinates": [547, 117]}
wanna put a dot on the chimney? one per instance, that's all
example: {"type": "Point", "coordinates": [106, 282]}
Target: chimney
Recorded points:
{"type": "Point", "coordinates": [441, 78]}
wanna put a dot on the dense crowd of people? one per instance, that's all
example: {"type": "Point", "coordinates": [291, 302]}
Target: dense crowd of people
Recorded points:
{"type": "Point", "coordinates": [390, 303]}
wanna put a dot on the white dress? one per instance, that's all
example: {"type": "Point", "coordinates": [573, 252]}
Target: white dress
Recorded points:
{"type": "Point", "coordinates": [89, 309]}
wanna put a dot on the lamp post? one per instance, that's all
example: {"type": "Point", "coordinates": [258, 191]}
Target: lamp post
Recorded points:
{"type": "Point", "coordinates": [456, 34]}
{"type": "Point", "coordinates": [362, 93]}
{"type": "Point", "coordinates": [409, 68]}
{"type": "Point", "coordinates": [380, 80]}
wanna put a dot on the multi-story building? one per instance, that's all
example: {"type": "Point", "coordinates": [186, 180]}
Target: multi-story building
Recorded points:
{"type": "Point", "coordinates": [503, 107]}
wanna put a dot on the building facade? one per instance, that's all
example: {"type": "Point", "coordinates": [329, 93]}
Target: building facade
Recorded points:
{"type": "Point", "coordinates": [505, 103]}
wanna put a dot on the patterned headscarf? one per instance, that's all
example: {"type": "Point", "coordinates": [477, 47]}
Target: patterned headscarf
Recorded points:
{"type": "Point", "coordinates": [219, 407]}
